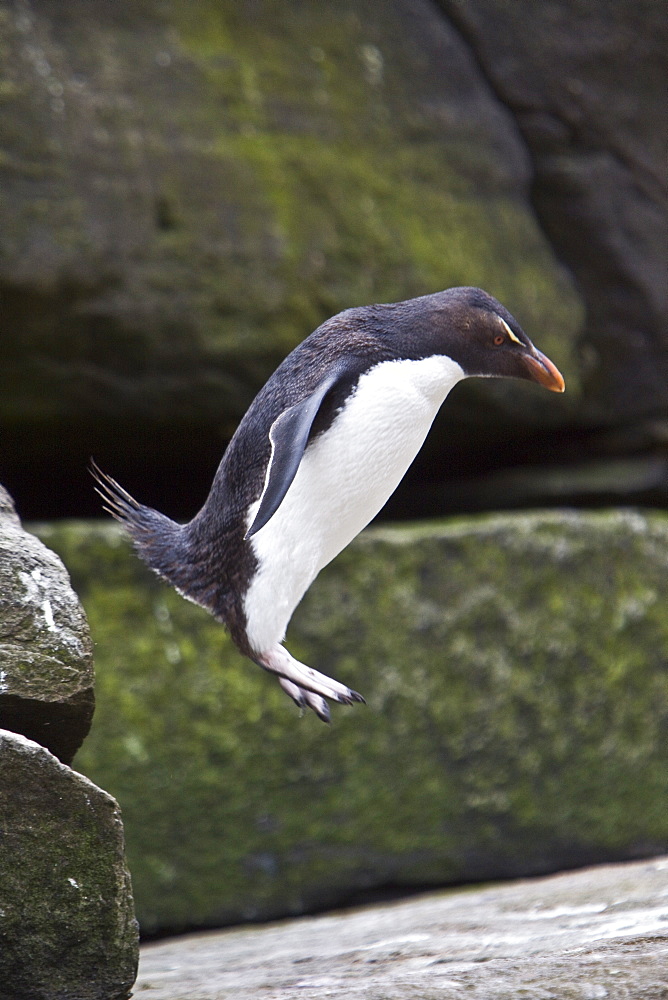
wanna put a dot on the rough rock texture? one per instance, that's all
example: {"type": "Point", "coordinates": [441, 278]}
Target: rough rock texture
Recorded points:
{"type": "Point", "coordinates": [589, 935]}
{"type": "Point", "coordinates": [46, 662]}
{"type": "Point", "coordinates": [583, 86]}
{"type": "Point", "coordinates": [67, 929]}
{"type": "Point", "coordinates": [187, 192]}
{"type": "Point", "coordinates": [514, 669]}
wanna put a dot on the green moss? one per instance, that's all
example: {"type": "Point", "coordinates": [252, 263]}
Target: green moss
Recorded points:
{"type": "Point", "coordinates": [68, 925]}
{"type": "Point", "coordinates": [557, 624]}
{"type": "Point", "coordinates": [253, 172]}
{"type": "Point", "coordinates": [514, 669]}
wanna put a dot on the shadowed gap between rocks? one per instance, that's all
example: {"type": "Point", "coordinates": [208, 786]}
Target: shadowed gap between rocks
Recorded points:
{"type": "Point", "coordinates": [172, 469]}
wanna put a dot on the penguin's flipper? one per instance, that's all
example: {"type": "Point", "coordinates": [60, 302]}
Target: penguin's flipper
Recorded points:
{"type": "Point", "coordinates": [289, 436]}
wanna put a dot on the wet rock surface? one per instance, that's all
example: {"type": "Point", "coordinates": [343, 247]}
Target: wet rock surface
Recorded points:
{"type": "Point", "coordinates": [46, 662]}
{"type": "Point", "coordinates": [587, 935]}
{"type": "Point", "coordinates": [67, 927]}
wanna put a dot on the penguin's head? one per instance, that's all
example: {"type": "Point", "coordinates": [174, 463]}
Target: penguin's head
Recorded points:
{"type": "Point", "coordinates": [477, 332]}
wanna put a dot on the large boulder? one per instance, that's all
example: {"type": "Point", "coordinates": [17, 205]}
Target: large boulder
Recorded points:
{"type": "Point", "coordinates": [188, 191]}
{"type": "Point", "coordinates": [46, 653]}
{"type": "Point", "coordinates": [67, 927]}
{"type": "Point", "coordinates": [517, 702]}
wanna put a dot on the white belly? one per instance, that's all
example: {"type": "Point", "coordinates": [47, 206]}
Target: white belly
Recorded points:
{"type": "Point", "coordinates": [345, 477]}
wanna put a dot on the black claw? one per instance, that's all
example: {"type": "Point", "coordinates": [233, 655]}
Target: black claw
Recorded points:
{"type": "Point", "coordinates": [322, 711]}
{"type": "Point", "coordinates": [348, 699]}
{"type": "Point", "coordinates": [324, 714]}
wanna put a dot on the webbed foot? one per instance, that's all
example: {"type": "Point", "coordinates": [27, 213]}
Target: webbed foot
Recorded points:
{"type": "Point", "coordinates": [307, 687]}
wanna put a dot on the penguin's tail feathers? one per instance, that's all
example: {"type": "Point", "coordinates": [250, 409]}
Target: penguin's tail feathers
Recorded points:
{"type": "Point", "coordinates": [157, 539]}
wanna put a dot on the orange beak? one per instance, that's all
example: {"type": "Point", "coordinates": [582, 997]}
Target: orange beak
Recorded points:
{"type": "Point", "coordinates": [544, 372]}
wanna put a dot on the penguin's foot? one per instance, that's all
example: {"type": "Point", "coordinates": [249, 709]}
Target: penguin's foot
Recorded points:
{"type": "Point", "coordinates": [307, 687]}
{"type": "Point", "coordinates": [306, 699]}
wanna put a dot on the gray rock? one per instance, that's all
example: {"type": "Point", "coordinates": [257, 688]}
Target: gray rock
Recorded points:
{"type": "Point", "coordinates": [168, 266]}
{"type": "Point", "coordinates": [587, 935]}
{"type": "Point", "coordinates": [8, 515]}
{"type": "Point", "coordinates": [46, 661]}
{"type": "Point", "coordinates": [515, 675]}
{"type": "Point", "coordinates": [67, 928]}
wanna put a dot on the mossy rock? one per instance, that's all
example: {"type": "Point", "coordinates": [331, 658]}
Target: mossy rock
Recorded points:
{"type": "Point", "coordinates": [517, 704]}
{"type": "Point", "coordinates": [46, 653]}
{"type": "Point", "coordinates": [67, 927]}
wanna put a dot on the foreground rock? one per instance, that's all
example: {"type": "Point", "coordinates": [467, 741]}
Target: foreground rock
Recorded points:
{"type": "Point", "coordinates": [46, 661]}
{"type": "Point", "coordinates": [67, 928]}
{"type": "Point", "coordinates": [587, 935]}
{"type": "Point", "coordinates": [514, 669]}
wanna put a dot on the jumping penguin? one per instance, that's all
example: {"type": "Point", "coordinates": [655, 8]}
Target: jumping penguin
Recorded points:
{"type": "Point", "coordinates": [322, 447]}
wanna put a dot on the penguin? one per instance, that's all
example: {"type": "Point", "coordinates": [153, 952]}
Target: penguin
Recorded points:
{"type": "Point", "coordinates": [318, 453]}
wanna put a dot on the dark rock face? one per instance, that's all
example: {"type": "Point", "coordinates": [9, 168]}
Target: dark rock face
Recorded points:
{"type": "Point", "coordinates": [67, 928]}
{"type": "Point", "coordinates": [46, 664]}
{"type": "Point", "coordinates": [583, 82]}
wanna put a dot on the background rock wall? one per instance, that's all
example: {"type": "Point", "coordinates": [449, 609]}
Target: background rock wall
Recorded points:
{"type": "Point", "coordinates": [186, 192]}
{"type": "Point", "coordinates": [581, 81]}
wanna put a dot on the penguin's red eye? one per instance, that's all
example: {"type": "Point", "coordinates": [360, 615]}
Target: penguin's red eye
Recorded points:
{"type": "Point", "coordinates": [499, 339]}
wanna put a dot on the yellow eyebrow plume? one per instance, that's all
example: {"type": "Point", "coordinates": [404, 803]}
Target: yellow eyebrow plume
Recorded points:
{"type": "Point", "coordinates": [508, 330]}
